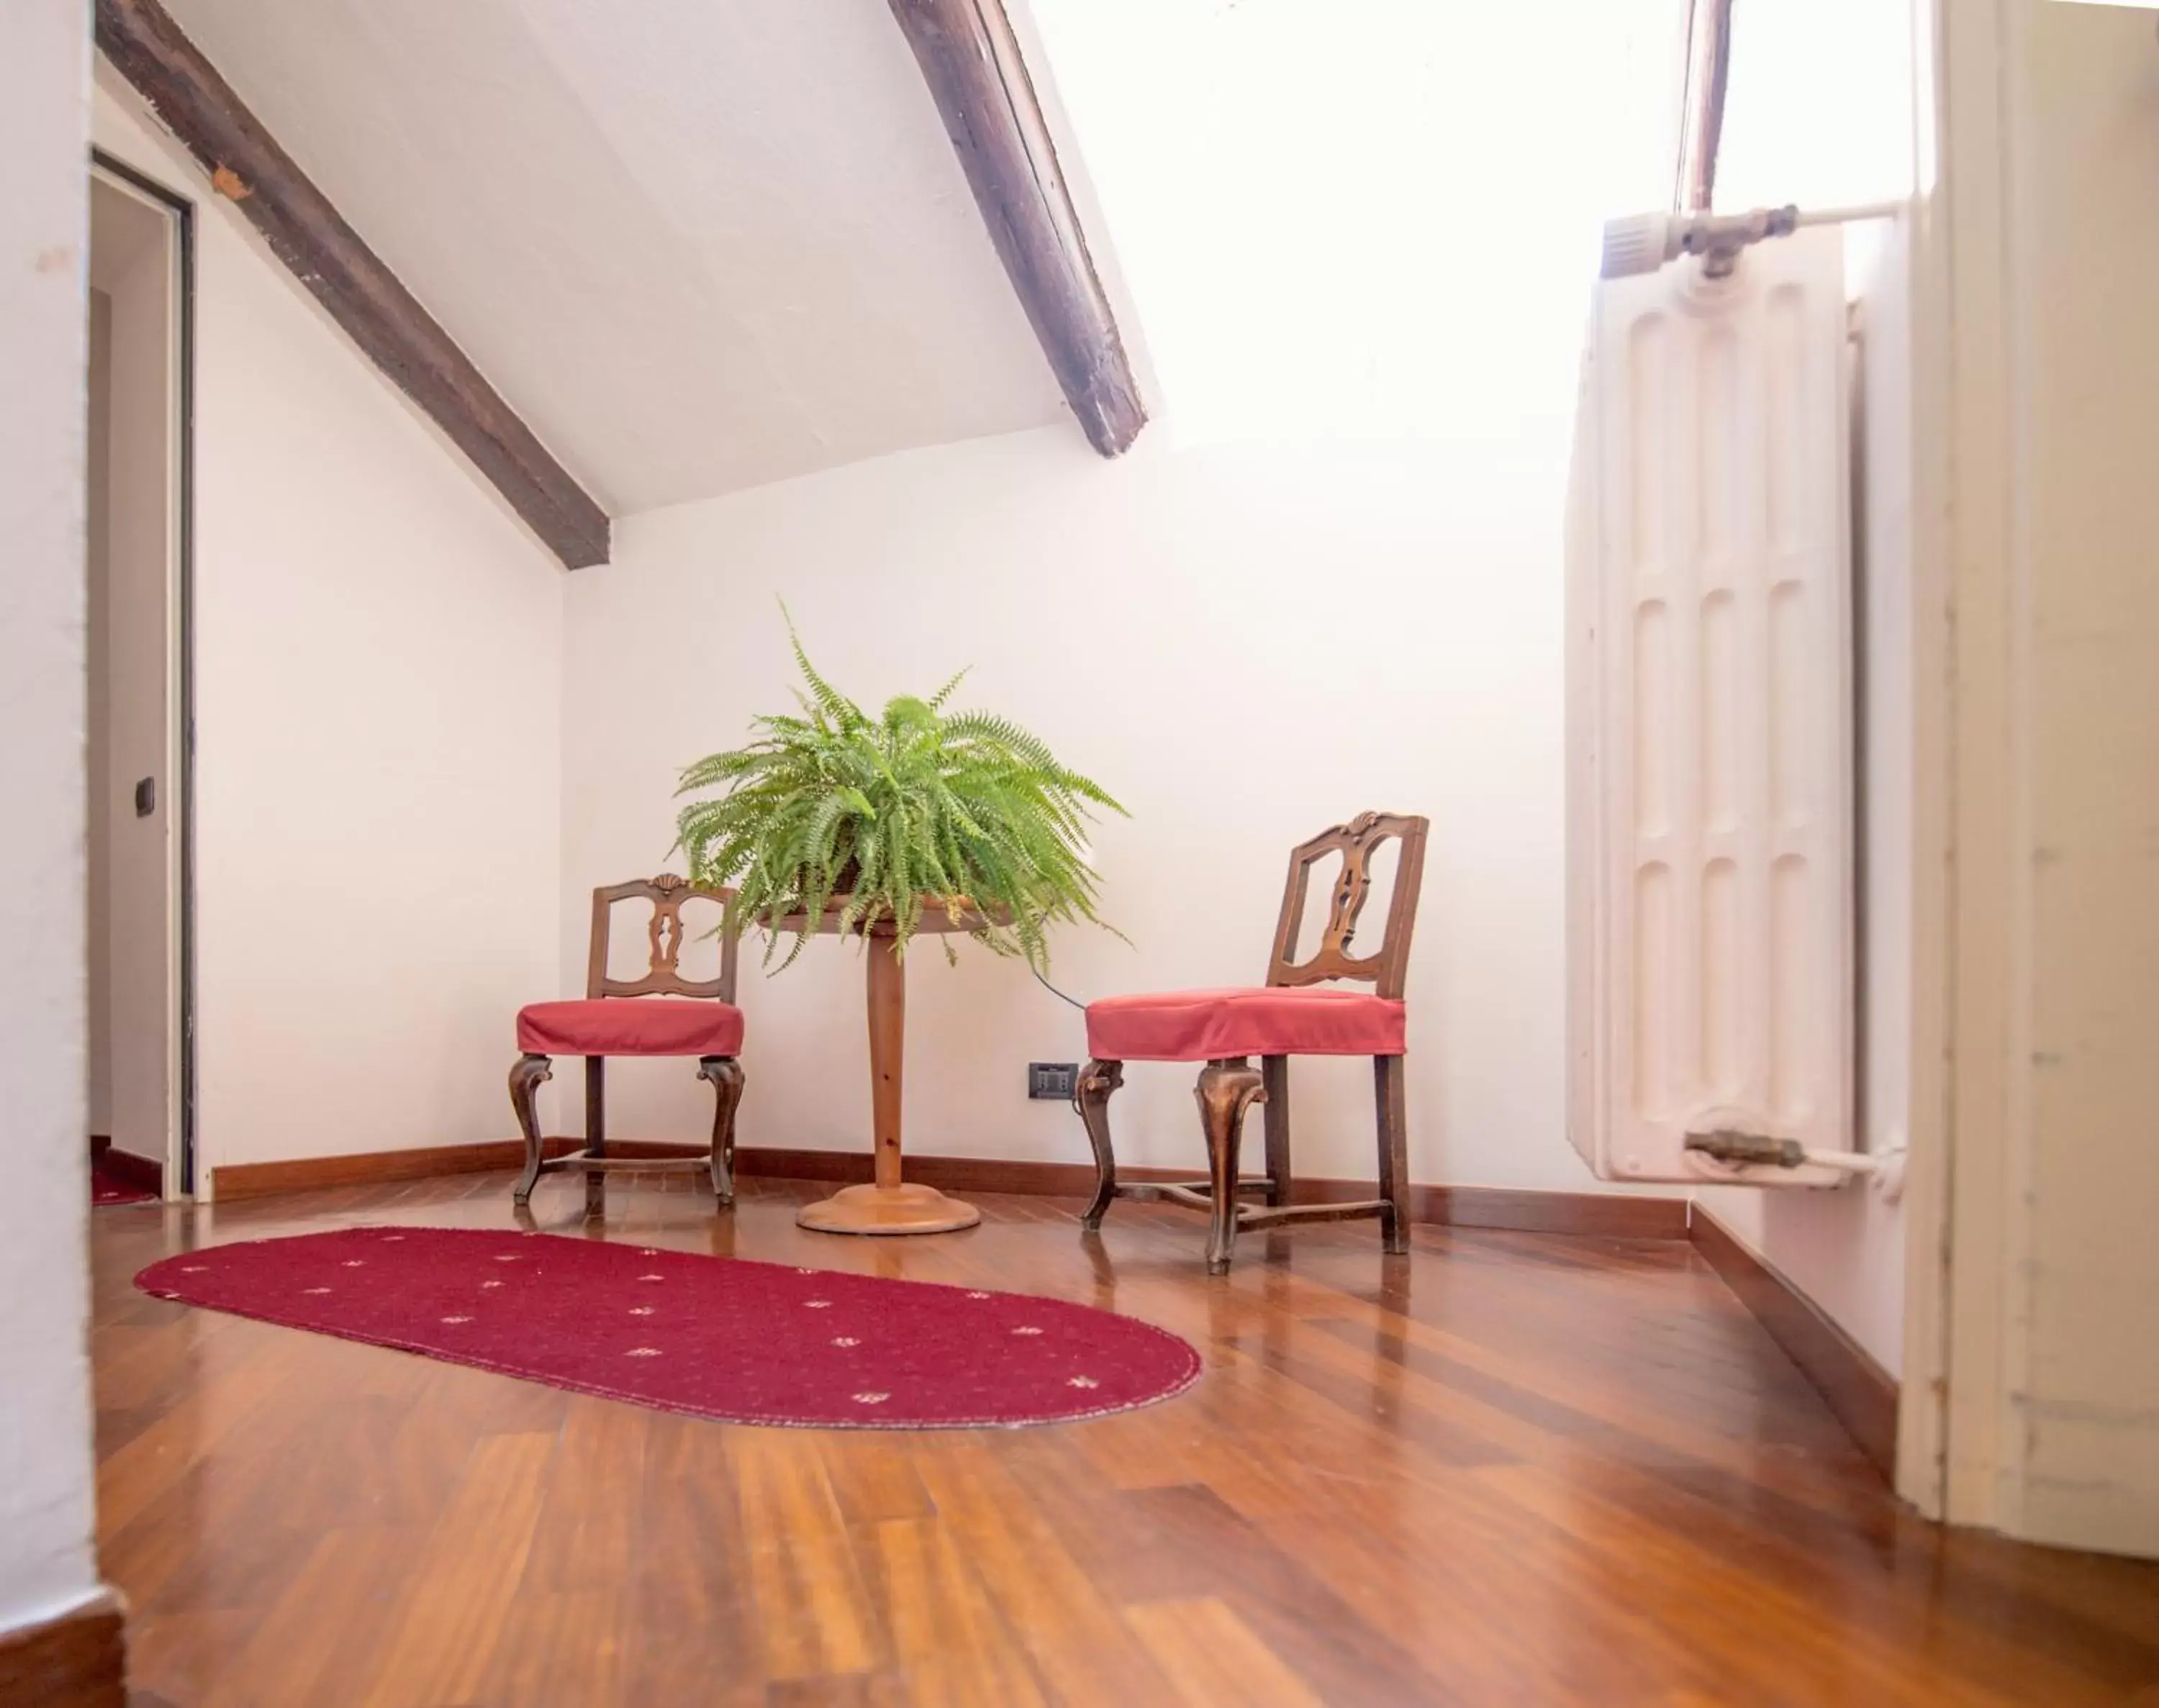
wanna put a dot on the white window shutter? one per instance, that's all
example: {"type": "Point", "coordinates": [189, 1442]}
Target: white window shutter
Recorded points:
{"type": "Point", "coordinates": [1709, 665]}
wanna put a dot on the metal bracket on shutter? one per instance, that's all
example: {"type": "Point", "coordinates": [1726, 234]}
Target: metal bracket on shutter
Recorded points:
{"type": "Point", "coordinates": [1727, 1145]}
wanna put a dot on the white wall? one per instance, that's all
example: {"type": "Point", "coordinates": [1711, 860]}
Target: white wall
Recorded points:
{"type": "Point", "coordinates": [1328, 578]}
{"type": "Point", "coordinates": [2051, 162]}
{"type": "Point", "coordinates": [1245, 643]}
{"type": "Point", "coordinates": [2085, 282]}
{"type": "Point", "coordinates": [378, 657]}
{"type": "Point", "coordinates": [46, 1564]}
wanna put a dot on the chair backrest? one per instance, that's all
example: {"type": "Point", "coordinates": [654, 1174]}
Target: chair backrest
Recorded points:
{"type": "Point", "coordinates": [667, 892]}
{"type": "Point", "coordinates": [1355, 841]}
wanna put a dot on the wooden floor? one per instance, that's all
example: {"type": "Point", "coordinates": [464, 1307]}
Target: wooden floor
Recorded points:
{"type": "Point", "coordinates": [1509, 1469]}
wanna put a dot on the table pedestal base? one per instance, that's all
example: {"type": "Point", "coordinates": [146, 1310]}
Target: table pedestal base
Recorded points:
{"type": "Point", "coordinates": [888, 1209]}
{"type": "Point", "coordinates": [892, 1205]}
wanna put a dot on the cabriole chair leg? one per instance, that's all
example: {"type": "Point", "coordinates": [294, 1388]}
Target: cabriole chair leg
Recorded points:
{"type": "Point", "coordinates": [526, 1076]}
{"type": "Point", "coordinates": [1226, 1090]}
{"type": "Point", "coordinates": [1097, 1085]}
{"type": "Point", "coordinates": [726, 1076]}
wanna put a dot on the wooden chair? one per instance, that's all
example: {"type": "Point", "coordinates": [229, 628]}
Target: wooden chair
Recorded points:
{"type": "Point", "coordinates": [646, 1017]}
{"type": "Point", "coordinates": [1286, 1017]}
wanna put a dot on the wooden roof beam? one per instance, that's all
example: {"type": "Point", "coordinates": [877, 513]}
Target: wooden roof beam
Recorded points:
{"type": "Point", "coordinates": [307, 233]}
{"type": "Point", "coordinates": [971, 61]}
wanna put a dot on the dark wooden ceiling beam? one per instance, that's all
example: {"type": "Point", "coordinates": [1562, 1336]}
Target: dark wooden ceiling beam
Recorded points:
{"type": "Point", "coordinates": [308, 235]}
{"type": "Point", "coordinates": [971, 62]}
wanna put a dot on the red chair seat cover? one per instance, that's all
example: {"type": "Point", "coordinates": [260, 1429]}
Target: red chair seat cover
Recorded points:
{"type": "Point", "coordinates": [1198, 1026]}
{"type": "Point", "coordinates": [631, 1025]}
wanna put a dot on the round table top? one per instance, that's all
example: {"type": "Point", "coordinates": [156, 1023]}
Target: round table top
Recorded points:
{"type": "Point", "coordinates": [935, 921]}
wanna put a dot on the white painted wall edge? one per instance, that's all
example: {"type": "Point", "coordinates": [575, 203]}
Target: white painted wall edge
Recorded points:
{"type": "Point", "coordinates": [1921, 1417]}
{"type": "Point", "coordinates": [1962, 1142]}
{"type": "Point", "coordinates": [46, 1497]}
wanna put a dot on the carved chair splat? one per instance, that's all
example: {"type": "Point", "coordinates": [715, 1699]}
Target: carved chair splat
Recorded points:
{"type": "Point", "coordinates": [661, 1013]}
{"type": "Point", "coordinates": [1294, 1012]}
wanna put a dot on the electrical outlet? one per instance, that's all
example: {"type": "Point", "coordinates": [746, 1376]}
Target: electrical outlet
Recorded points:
{"type": "Point", "coordinates": [1051, 1079]}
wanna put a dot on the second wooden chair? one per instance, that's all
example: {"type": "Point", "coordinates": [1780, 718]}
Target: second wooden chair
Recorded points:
{"type": "Point", "coordinates": [1287, 1016]}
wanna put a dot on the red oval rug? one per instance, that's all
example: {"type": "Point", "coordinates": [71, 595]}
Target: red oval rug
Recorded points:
{"type": "Point", "coordinates": [714, 1336]}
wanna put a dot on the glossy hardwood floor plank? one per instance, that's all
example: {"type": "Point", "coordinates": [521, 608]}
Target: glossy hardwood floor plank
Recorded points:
{"type": "Point", "coordinates": [1316, 1626]}
{"type": "Point", "coordinates": [813, 1610]}
{"type": "Point", "coordinates": [1213, 1657]}
{"type": "Point", "coordinates": [293, 1654]}
{"type": "Point", "coordinates": [455, 1602]}
{"type": "Point", "coordinates": [173, 1447]}
{"type": "Point", "coordinates": [585, 1537]}
{"type": "Point", "coordinates": [1068, 1623]}
{"type": "Point", "coordinates": [948, 1637]}
{"type": "Point", "coordinates": [1469, 1596]}
{"type": "Point", "coordinates": [874, 1476]}
{"type": "Point", "coordinates": [1852, 1662]}
{"type": "Point", "coordinates": [1506, 1468]}
{"type": "Point", "coordinates": [557, 1648]}
{"type": "Point", "coordinates": [692, 1603]}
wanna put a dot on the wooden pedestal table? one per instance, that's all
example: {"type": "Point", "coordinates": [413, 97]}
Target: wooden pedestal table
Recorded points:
{"type": "Point", "coordinates": [890, 1205]}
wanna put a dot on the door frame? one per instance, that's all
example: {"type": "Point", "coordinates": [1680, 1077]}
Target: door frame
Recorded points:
{"type": "Point", "coordinates": [181, 1167]}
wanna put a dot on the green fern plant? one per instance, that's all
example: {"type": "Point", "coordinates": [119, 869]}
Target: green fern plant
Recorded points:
{"type": "Point", "coordinates": [915, 809]}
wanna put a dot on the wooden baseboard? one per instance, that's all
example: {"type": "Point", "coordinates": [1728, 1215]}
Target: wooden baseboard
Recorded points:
{"type": "Point", "coordinates": [1859, 1391]}
{"type": "Point", "coordinates": [1612, 1216]}
{"type": "Point", "coordinates": [78, 1660]}
{"type": "Point", "coordinates": [240, 1180]}
{"type": "Point", "coordinates": [1634, 1217]}
{"type": "Point", "coordinates": [245, 1180]}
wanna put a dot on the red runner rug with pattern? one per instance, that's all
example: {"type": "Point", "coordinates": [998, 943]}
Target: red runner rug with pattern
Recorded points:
{"type": "Point", "coordinates": [713, 1337]}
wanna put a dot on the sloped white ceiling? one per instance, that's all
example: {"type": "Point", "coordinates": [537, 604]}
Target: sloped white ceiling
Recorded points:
{"type": "Point", "coordinates": [699, 245]}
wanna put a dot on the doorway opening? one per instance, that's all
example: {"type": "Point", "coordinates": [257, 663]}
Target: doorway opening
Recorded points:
{"type": "Point", "coordinates": [138, 571]}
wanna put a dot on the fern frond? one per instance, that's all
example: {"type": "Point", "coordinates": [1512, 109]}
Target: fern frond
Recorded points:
{"type": "Point", "coordinates": [911, 811]}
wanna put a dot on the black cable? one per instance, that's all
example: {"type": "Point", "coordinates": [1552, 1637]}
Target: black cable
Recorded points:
{"type": "Point", "coordinates": [1052, 989]}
